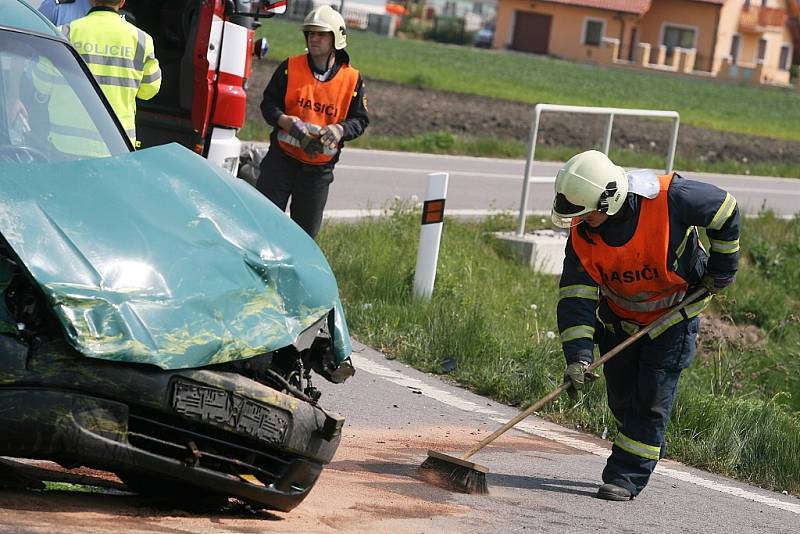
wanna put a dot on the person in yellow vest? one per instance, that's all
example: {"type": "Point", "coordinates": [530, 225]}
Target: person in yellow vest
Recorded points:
{"type": "Point", "coordinates": [633, 251]}
{"type": "Point", "coordinates": [69, 126]}
{"type": "Point", "coordinates": [121, 57]}
{"type": "Point", "coordinates": [314, 102]}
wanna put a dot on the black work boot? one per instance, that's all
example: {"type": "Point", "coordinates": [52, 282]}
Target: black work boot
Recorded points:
{"type": "Point", "coordinates": [612, 492]}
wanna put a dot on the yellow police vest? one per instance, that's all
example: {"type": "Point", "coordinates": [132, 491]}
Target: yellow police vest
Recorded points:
{"type": "Point", "coordinates": [122, 59]}
{"type": "Point", "coordinates": [71, 129]}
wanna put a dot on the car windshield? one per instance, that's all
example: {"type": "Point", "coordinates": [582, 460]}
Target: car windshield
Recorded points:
{"type": "Point", "coordinates": [49, 109]}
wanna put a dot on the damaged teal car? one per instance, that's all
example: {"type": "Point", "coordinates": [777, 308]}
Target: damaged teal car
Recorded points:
{"type": "Point", "coordinates": [159, 318]}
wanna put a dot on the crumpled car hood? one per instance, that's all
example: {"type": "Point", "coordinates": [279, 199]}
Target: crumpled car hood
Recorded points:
{"type": "Point", "coordinates": [160, 257]}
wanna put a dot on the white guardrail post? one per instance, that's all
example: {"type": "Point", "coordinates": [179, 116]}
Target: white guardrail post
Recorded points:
{"type": "Point", "coordinates": [523, 201]}
{"type": "Point", "coordinates": [610, 113]}
{"type": "Point", "coordinates": [430, 234]}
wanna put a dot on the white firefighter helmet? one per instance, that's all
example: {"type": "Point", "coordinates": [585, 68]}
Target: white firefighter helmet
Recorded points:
{"type": "Point", "coordinates": [327, 19]}
{"type": "Point", "coordinates": [588, 182]}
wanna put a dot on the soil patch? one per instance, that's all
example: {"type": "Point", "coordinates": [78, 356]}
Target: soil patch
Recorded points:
{"type": "Point", "coordinates": [716, 330]}
{"type": "Point", "coordinates": [398, 110]}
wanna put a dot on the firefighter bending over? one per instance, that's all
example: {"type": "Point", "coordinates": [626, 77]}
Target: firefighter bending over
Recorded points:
{"type": "Point", "coordinates": [632, 253]}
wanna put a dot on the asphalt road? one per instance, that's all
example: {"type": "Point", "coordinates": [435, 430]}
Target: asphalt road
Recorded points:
{"type": "Point", "coordinates": [542, 477]}
{"type": "Point", "coordinates": [371, 179]}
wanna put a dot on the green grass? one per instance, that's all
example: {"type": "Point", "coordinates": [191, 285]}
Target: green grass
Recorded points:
{"type": "Point", "coordinates": [528, 78]}
{"type": "Point", "coordinates": [68, 486]}
{"type": "Point", "coordinates": [737, 411]}
{"type": "Point", "coordinates": [751, 439]}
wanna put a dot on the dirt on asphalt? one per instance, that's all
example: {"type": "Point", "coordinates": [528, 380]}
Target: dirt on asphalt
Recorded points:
{"type": "Point", "coordinates": [371, 486]}
{"type": "Point", "coordinates": [399, 110]}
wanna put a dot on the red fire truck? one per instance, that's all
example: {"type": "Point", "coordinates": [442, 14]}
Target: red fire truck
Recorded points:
{"type": "Point", "coordinates": [205, 48]}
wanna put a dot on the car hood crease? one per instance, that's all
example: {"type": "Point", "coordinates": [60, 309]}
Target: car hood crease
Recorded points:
{"type": "Point", "coordinates": [159, 257]}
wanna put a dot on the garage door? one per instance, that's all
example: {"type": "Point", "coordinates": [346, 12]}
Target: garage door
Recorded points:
{"type": "Point", "coordinates": [531, 32]}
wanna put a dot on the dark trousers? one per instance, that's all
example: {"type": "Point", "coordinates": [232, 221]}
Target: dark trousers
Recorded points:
{"type": "Point", "coordinates": [641, 383]}
{"type": "Point", "coordinates": [283, 178]}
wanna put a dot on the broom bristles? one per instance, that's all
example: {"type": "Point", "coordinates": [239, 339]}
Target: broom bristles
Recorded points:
{"type": "Point", "coordinates": [454, 477]}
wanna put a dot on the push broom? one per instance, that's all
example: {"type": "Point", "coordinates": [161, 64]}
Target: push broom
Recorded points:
{"type": "Point", "coordinates": [458, 474]}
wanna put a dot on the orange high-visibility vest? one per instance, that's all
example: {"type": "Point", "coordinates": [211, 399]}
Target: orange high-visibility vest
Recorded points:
{"type": "Point", "coordinates": [635, 278]}
{"type": "Point", "coordinates": [320, 103]}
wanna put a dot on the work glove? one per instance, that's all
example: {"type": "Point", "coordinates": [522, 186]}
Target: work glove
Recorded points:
{"type": "Point", "coordinates": [309, 142]}
{"type": "Point", "coordinates": [331, 135]}
{"type": "Point", "coordinates": [299, 130]}
{"type": "Point", "coordinates": [313, 147]}
{"type": "Point", "coordinates": [577, 374]}
{"type": "Point", "coordinates": [716, 282]}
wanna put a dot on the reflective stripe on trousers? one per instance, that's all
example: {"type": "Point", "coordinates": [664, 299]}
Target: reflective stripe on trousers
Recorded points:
{"type": "Point", "coordinates": [641, 382]}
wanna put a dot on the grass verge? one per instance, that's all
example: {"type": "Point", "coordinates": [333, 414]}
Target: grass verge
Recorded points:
{"type": "Point", "coordinates": [495, 319]}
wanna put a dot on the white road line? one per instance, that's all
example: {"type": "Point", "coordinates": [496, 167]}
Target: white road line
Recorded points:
{"type": "Point", "coordinates": [730, 490]}
{"type": "Point", "coordinates": [563, 437]}
{"type": "Point", "coordinates": [793, 190]}
{"type": "Point", "coordinates": [354, 214]}
{"type": "Point", "coordinates": [453, 173]}
{"type": "Point", "coordinates": [466, 213]}
{"type": "Point", "coordinates": [437, 157]}
{"type": "Point", "coordinates": [360, 152]}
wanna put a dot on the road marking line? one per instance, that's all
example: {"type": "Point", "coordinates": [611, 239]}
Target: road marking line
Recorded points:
{"type": "Point", "coordinates": [563, 437]}
{"type": "Point", "coordinates": [453, 173]}
{"type": "Point", "coordinates": [352, 151]}
{"type": "Point", "coordinates": [794, 191]}
{"type": "Point", "coordinates": [348, 214]}
{"type": "Point", "coordinates": [364, 213]}
{"type": "Point", "coordinates": [423, 155]}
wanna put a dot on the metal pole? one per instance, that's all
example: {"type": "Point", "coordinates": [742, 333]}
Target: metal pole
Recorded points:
{"type": "Point", "coordinates": [673, 144]}
{"type": "Point", "coordinates": [609, 113]}
{"type": "Point", "coordinates": [607, 139]}
{"type": "Point", "coordinates": [523, 201]}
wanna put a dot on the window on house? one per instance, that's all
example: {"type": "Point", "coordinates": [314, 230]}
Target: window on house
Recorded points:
{"type": "Point", "coordinates": [735, 48]}
{"type": "Point", "coordinates": [678, 37]}
{"type": "Point", "coordinates": [675, 37]}
{"type": "Point", "coordinates": [785, 61]}
{"type": "Point", "coordinates": [593, 32]}
{"type": "Point", "coordinates": [762, 50]}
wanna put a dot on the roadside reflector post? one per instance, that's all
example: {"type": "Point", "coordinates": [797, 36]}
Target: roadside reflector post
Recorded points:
{"type": "Point", "coordinates": [430, 235]}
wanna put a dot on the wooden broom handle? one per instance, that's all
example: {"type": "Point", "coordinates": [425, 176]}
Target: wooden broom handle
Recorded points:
{"type": "Point", "coordinates": [563, 387]}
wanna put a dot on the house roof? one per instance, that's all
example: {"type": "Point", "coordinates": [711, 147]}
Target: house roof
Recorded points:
{"type": "Point", "coordinates": [638, 7]}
